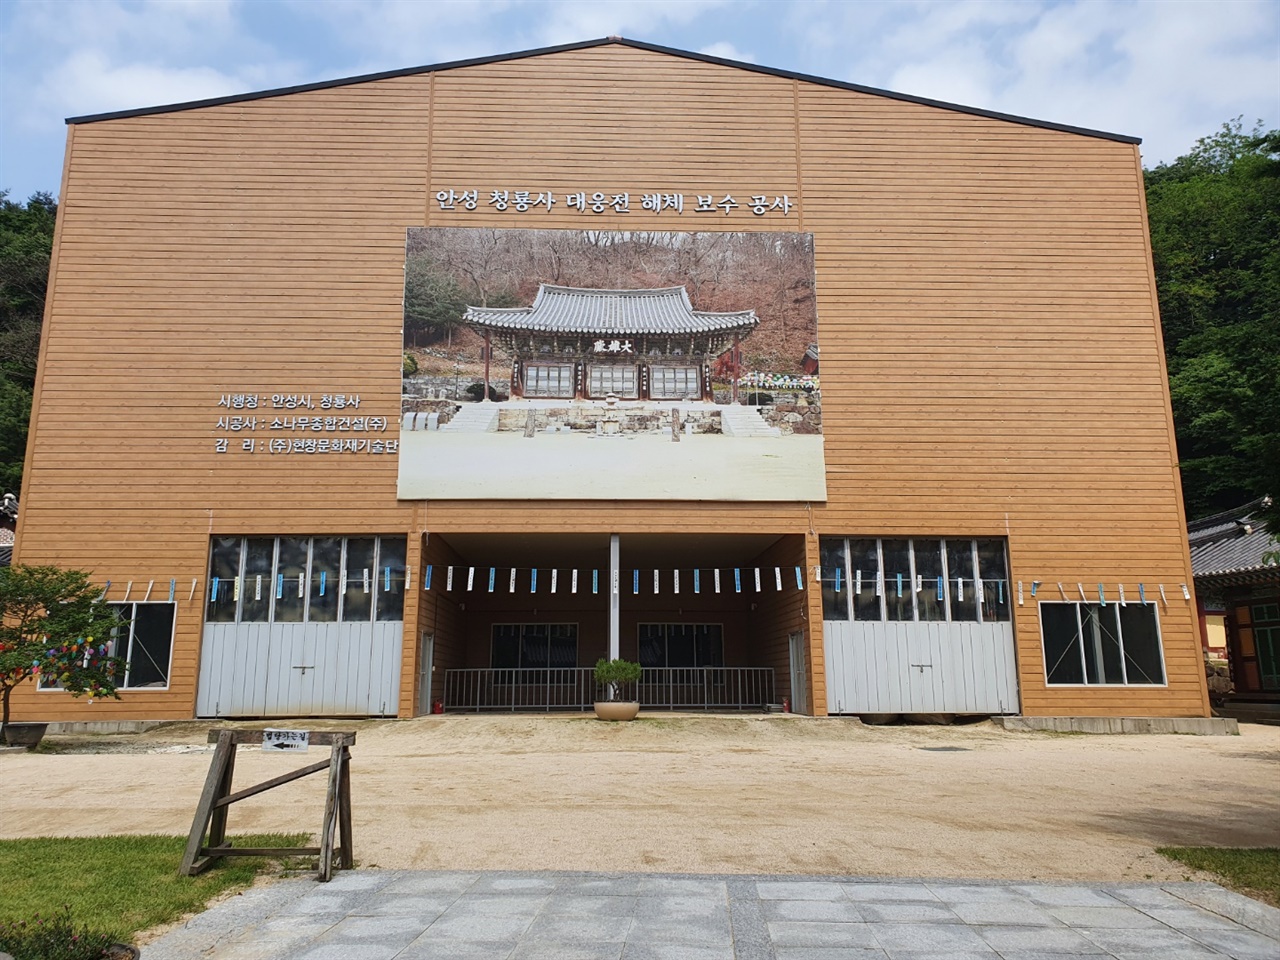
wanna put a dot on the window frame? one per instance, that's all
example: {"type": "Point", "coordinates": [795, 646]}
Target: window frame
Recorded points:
{"type": "Point", "coordinates": [113, 648]}
{"type": "Point", "coordinates": [666, 626]}
{"type": "Point", "coordinates": [273, 580]}
{"type": "Point", "coordinates": [1079, 641]}
{"type": "Point", "coordinates": [881, 582]}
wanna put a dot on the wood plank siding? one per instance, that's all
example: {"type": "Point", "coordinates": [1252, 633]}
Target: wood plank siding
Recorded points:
{"type": "Point", "coordinates": [990, 348]}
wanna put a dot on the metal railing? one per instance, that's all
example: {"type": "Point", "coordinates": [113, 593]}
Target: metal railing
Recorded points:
{"type": "Point", "coordinates": [575, 688]}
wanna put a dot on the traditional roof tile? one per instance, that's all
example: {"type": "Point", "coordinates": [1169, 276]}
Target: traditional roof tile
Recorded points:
{"type": "Point", "coordinates": [1230, 543]}
{"type": "Point", "coordinates": [582, 311]}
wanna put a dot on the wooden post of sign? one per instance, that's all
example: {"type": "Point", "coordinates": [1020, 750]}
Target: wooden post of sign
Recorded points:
{"type": "Point", "coordinates": [216, 799]}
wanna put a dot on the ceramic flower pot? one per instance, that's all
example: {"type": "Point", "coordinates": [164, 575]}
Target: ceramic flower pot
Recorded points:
{"type": "Point", "coordinates": [26, 735]}
{"type": "Point", "coordinates": [616, 709]}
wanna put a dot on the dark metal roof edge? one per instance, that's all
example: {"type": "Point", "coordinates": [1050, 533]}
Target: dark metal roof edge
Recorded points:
{"type": "Point", "coordinates": [876, 91]}
{"type": "Point", "coordinates": [328, 84]}
{"type": "Point", "coordinates": [585, 44]}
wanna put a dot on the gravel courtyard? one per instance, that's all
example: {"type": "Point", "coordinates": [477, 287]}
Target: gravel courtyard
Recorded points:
{"type": "Point", "coordinates": [682, 794]}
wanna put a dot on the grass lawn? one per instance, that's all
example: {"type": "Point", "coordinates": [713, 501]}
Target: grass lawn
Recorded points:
{"type": "Point", "coordinates": [118, 885]}
{"type": "Point", "coordinates": [1253, 872]}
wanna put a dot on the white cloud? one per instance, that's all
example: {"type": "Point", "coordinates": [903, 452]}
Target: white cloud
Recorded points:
{"type": "Point", "coordinates": [727, 51]}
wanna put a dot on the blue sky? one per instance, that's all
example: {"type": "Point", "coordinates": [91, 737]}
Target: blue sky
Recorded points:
{"type": "Point", "coordinates": [1168, 71]}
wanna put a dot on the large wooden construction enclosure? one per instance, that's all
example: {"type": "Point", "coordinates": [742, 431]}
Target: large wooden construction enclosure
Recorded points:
{"type": "Point", "coordinates": [975, 508]}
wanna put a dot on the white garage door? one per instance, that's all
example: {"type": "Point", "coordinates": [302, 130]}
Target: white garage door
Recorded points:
{"type": "Point", "coordinates": [300, 669]}
{"type": "Point", "coordinates": [920, 667]}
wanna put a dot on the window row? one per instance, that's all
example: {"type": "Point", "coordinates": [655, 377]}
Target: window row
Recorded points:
{"type": "Point", "coordinates": [1094, 643]}
{"type": "Point", "coordinates": [305, 579]}
{"type": "Point", "coordinates": [914, 580]}
{"type": "Point", "coordinates": [143, 637]}
{"type": "Point", "coordinates": [538, 646]}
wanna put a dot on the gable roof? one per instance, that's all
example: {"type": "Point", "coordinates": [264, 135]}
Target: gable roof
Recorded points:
{"type": "Point", "coordinates": [580, 310]}
{"type": "Point", "coordinates": [586, 44]}
{"type": "Point", "coordinates": [1231, 544]}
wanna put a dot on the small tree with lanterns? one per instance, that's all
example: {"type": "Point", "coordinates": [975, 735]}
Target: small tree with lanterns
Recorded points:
{"type": "Point", "coordinates": [53, 627]}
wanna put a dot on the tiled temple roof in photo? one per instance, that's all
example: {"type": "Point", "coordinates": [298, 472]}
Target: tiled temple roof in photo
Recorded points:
{"type": "Point", "coordinates": [580, 311]}
{"type": "Point", "coordinates": [1231, 543]}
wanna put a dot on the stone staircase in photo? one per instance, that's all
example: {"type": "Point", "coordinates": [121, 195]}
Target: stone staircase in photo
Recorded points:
{"type": "Point", "coordinates": [474, 418]}
{"type": "Point", "coordinates": [740, 421]}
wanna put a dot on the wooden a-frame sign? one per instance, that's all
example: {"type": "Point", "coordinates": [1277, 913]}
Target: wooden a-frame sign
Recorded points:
{"type": "Point", "coordinates": [216, 800]}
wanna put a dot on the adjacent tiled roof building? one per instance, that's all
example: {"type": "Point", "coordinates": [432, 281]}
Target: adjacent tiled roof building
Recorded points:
{"type": "Point", "coordinates": [1232, 544]}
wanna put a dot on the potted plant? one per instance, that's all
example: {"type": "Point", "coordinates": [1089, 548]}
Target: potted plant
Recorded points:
{"type": "Point", "coordinates": [52, 627]}
{"type": "Point", "coordinates": [617, 677]}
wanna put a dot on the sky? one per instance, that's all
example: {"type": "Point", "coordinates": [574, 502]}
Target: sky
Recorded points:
{"type": "Point", "coordinates": [1168, 71]}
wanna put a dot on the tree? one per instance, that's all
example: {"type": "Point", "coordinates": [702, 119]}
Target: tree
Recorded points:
{"type": "Point", "coordinates": [1215, 237]}
{"type": "Point", "coordinates": [52, 626]}
{"type": "Point", "coordinates": [26, 244]}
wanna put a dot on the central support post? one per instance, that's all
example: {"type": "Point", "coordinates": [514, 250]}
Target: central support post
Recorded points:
{"type": "Point", "coordinates": [615, 595]}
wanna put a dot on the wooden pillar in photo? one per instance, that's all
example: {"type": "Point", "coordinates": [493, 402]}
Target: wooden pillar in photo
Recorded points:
{"type": "Point", "coordinates": [488, 352]}
{"type": "Point", "coordinates": [734, 364]}
{"type": "Point", "coordinates": [579, 379]}
{"type": "Point", "coordinates": [517, 379]}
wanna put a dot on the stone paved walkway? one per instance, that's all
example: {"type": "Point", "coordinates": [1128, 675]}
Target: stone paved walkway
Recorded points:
{"type": "Point", "coordinates": [415, 915]}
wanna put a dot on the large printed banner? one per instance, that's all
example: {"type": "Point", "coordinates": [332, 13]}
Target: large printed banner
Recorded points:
{"type": "Point", "coordinates": [587, 364]}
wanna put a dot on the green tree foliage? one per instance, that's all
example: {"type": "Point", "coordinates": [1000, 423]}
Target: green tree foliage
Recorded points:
{"type": "Point", "coordinates": [52, 625]}
{"type": "Point", "coordinates": [26, 243]}
{"type": "Point", "coordinates": [1215, 237]}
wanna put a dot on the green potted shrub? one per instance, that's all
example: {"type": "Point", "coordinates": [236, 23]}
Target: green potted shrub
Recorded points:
{"type": "Point", "coordinates": [618, 678]}
{"type": "Point", "coordinates": [52, 627]}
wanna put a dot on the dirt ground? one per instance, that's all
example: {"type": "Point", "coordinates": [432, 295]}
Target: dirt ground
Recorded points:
{"type": "Point", "coordinates": [768, 794]}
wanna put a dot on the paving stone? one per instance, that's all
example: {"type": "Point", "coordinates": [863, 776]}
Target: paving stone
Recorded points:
{"type": "Point", "coordinates": [942, 955]}
{"type": "Point", "coordinates": [577, 904]}
{"type": "Point", "coordinates": [1190, 918]}
{"type": "Point", "coordinates": [809, 933]}
{"type": "Point", "coordinates": [458, 950]}
{"type": "Point", "coordinates": [403, 929]}
{"type": "Point", "coordinates": [508, 883]}
{"type": "Point", "coordinates": [840, 911]}
{"type": "Point", "coordinates": [1240, 944]}
{"type": "Point", "coordinates": [1148, 896]}
{"type": "Point", "coordinates": [799, 890]}
{"type": "Point", "coordinates": [1120, 917]}
{"type": "Point", "coordinates": [751, 939]}
{"type": "Point", "coordinates": [566, 950]}
{"type": "Point", "coordinates": [611, 886]}
{"type": "Point", "coordinates": [431, 883]}
{"type": "Point", "coordinates": [887, 891]}
{"type": "Point", "coordinates": [1157, 943]}
{"type": "Point", "coordinates": [681, 887]}
{"type": "Point", "coordinates": [1258, 917]}
{"type": "Point", "coordinates": [1066, 896]}
{"type": "Point", "coordinates": [1043, 939]}
{"type": "Point", "coordinates": [247, 950]}
{"type": "Point", "coordinates": [570, 929]}
{"type": "Point", "coordinates": [1006, 914]}
{"type": "Point", "coordinates": [830, 953]}
{"type": "Point", "coordinates": [362, 880]}
{"type": "Point", "coordinates": [711, 907]}
{"type": "Point", "coordinates": [390, 904]}
{"type": "Point", "coordinates": [494, 905]}
{"type": "Point", "coordinates": [975, 893]}
{"type": "Point", "coordinates": [677, 951]}
{"type": "Point", "coordinates": [1192, 952]}
{"type": "Point", "coordinates": [1052, 955]}
{"type": "Point", "coordinates": [697, 930]}
{"type": "Point", "coordinates": [941, 937]}
{"type": "Point", "coordinates": [351, 951]}
{"type": "Point", "coordinates": [908, 911]}
{"type": "Point", "coordinates": [478, 927]}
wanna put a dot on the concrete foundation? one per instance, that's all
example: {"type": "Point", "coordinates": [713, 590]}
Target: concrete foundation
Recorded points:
{"type": "Point", "coordinates": [1197, 726]}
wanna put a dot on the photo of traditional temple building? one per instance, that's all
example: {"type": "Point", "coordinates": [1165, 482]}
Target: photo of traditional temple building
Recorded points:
{"type": "Point", "coordinates": [543, 373]}
{"type": "Point", "coordinates": [631, 344]}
